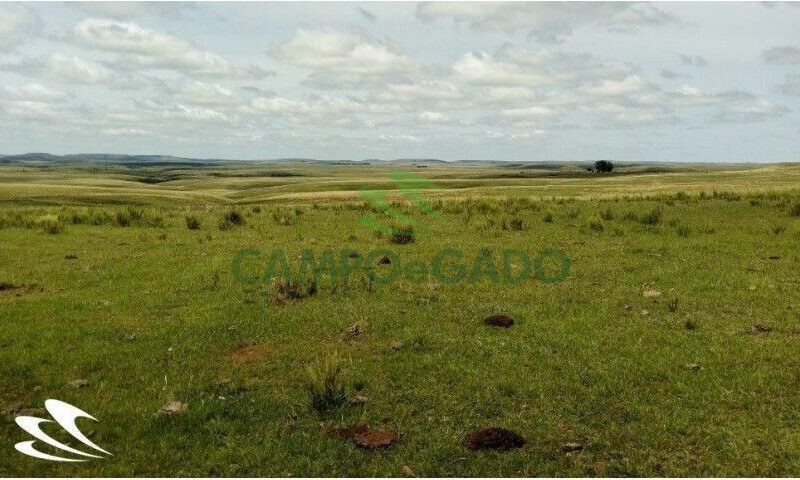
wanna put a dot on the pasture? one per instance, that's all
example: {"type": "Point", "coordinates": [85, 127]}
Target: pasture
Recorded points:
{"type": "Point", "coordinates": [672, 348]}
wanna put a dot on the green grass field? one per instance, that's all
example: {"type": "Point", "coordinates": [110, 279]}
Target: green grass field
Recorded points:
{"type": "Point", "coordinates": [671, 349]}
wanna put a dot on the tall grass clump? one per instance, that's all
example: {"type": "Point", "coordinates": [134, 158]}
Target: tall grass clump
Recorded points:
{"type": "Point", "coordinates": [795, 210]}
{"type": "Point", "coordinates": [324, 383]}
{"type": "Point", "coordinates": [654, 217]}
{"type": "Point", "coordinates": [231, 219]}
{"type": "Point", "coordinates": [402, 237]}
{"type": "Point", "coordinates": [49, 224]}
{"type": "Point", "coordinates": [192, 222]}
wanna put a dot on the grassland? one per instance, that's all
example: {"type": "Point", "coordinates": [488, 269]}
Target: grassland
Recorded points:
{"type": "Point", "coordinates": [672, 348]}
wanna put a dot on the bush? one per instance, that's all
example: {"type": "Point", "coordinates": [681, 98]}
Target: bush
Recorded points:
{"type": "Point", "coordinates": [122, 219]}
{"type": "Point", "coordinates": [192, 223]}
{"type": "Point", "coordinates": [49, 224]}
{"type": "Point", "coordinates": [402, 238]}
{"type": "Point", "coordinates": [603, 166]}
{"type": "Point", "coordinates": [284, 290]}
{"type": "Point", "coordinates": [231, 219]}
{"type": "Point", "coordinates": [282, 217]}
{"type": "Point", "coordinates": [513, 224]}
{"type": "Point", "coordinates": [324, 383]}
{"type": "Point", "coordinates": [654, 217]}
{"type": "Point", "coordinates": [795, 210]}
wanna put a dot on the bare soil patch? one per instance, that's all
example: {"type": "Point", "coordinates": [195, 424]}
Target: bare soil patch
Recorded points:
{"type": "Point", "coordinates": [502, 321]}
{"type": "Point", "coordinates": [249, 353]}
{"type": "Point", "coordinates": [494, 438]}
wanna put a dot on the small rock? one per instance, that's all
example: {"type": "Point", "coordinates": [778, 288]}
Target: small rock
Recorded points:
{"type": "Point", "coordinates": [759, 328]}
{"type": "Point", "coordinates": [79, 383]}
{"type": "Point", "coordinates": [396, 345]}
{"type": "Point", "coordinates": [571, 447]}
{"type": "Point", "coordinates": [493, 438]}
{"type": "Point", "coordinates": [628, 307]}
{"type": "Point", "coordinates": [357, 400]}
{"type": "Point", "coordinates": [354, 330]}
{"type": "Point", "coordinates": [174, 407]}
{"type": "Point", "coordinates": [502, 321]}
{"type": "Point", "coordinates": [645, 313]}
{"type": "Point", "coordinates": [407, 471]}
{"type": "Point", "coordinates": [376, 439]}
{"type": "Point", "coordinates": [694, 366]}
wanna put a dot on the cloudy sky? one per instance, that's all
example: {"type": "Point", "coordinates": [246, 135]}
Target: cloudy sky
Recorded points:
{"type": "Point", "coordinates": [713, 82]}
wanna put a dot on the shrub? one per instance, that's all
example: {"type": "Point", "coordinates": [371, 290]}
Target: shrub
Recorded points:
{"type": "Point", "coordinates": [324, 383]}
{"type": "Point", "coordinates": [654, 217]}
{"type": "Point", "coordinates": [231, 219]}
{"type": "Point", "coordinates": [282, 217]}
{"type": "Point", "coordinates": [284, 290]}
{"type": "Point", "coordinates": [122, 219]}
{"type": "Point", "coordinates": [192, 223]}
{"type": "Point", "coordinates": [513, 224]}
{"type": "Point", "coordinates": [596, 226]}
{"type": "Point", "coordinates": [49, 224]}
{"type": "Point", "coordinates": [402, 237]}
{"type": "Point", "coordinates": [603, 166]}
{"type": "Point", "coordinates": [795, 210]}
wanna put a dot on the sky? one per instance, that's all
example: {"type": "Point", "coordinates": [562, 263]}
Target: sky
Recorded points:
{"type": "Point", "coordinates": [670, 82]}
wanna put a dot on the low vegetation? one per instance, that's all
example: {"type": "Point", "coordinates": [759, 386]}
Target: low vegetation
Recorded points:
{"type": "Point", "coordinates": [122, 302]}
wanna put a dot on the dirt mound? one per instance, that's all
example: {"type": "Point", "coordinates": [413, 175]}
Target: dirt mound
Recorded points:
{"type": "Point", "coordinates": [384, 261]}
{"type": "Point", "coordinates": [365, 437]}
{"type": "Point", "coordinates": [493, 438]}
{"type": "Point", "coordinates": [249, 353]}
{"type": "Point", "coordinates": [502, 321]}
{"type": "Point", "coordinates": [376, 439]}
{"type": "Point", "coordinates": [348, 432]}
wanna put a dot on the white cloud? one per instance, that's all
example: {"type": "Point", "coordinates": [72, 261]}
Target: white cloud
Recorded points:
{"type": "Point", "coordinates": [433, 117]}
{"type": "Point", "coordinates": [34, 92]}
{"type": "Point", "coordinates": [549, 22]}
{"type": "Point", "coordinates": [201, 93]}
{"type": "Point", "coordinates": [16, 21]}
{"type": "Point", "coordinates": [157, 50]}
{"type": "Point", "coordinates": [626, 86]}
{"type": "Point", "coordinates": [126, 132]}
{"type": "Point", "coordinates": [31, 110]}
{"type": "Point", "coordinates": [342, 51]}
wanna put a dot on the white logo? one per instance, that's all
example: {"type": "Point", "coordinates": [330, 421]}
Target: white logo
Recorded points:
{"type": "Point", "coordinates": [64, 414]}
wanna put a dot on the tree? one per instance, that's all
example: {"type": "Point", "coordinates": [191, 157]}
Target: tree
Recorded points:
{"type": "Point", "coordinates": [603, 166]}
